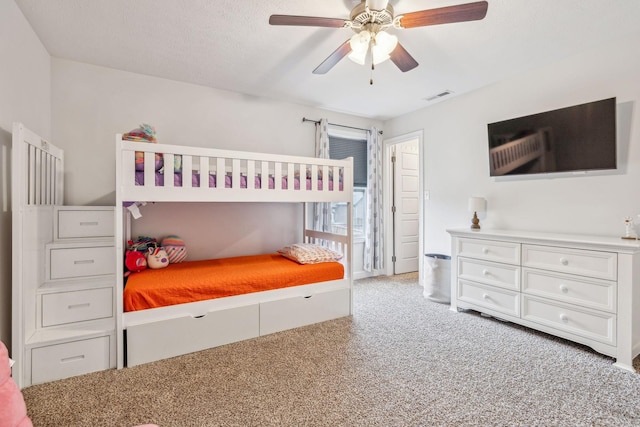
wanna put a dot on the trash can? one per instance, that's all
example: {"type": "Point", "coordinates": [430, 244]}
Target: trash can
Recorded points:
{"type": "Point", "coordinates": [437, 278]}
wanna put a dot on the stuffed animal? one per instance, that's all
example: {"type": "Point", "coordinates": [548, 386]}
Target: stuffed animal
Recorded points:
{"type": "Point", "coordinates": [13, 411]}
{"type": "Point", "coordinates": [157, 258]}
{"type": "Point", "coordinates": [135, 261]}
{"type": "Point", "coordinates": [175, 248]}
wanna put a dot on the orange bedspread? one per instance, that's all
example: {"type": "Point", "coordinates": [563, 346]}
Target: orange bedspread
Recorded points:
{"type": "Point", "coordinates": [215, 278]}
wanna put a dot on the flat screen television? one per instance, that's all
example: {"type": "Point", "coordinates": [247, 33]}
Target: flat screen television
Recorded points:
{"type": "Point", "coordinates": [571, 139]}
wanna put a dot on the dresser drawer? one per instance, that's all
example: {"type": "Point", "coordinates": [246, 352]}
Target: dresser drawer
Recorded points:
{"type": "Point", "coordinates": [489, 250]}
{"type": "Point", "coordinates": [73, 224]}
{"type": "Point", "coordinates": [592, 293]}
{"type": "Point", "coordinates": [69, 359]}
{"type": "Point", "coordinates": [76, 306]}
{"type": "Point", "coordinates": [490, 273]}
{"type": "Point", "coordinates": [495, 299]}
{"type": "Point", "coordinates": [602, 265]}
{"type": "Point", "coordinates": [594, 325]}
{"type": "Point", "coordinates": [65, 263]}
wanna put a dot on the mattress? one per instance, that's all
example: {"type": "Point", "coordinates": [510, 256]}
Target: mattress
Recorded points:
{"type": "Point", "coordinates": [195, 181]}
{"type": "Point", "coordinates": [216, 278]}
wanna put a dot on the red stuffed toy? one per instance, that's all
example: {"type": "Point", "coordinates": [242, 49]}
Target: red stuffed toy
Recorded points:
{"type": "Point", "coordinates": [134, 261]}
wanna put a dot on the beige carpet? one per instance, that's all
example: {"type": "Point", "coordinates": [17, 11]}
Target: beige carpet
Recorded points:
{"type": "Point", "coordinates": [401, 360]}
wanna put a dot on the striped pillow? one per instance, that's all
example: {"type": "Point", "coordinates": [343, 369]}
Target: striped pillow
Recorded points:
{"type": "Point", "coordinates": [309, 253]}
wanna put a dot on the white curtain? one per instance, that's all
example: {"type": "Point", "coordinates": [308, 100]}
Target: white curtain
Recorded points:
{"type": "Point", "coordinates": [322, 211]}
{"type": "Point", "coordinates": [374, 230]}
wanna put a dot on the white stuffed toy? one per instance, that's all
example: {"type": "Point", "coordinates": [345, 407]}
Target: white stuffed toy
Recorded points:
{"type": "Point", "coordinates": [157, 258]}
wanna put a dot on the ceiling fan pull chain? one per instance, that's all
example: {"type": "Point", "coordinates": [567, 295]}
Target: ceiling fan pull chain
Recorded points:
{"type": "Point", "coordinates": [373, 67]}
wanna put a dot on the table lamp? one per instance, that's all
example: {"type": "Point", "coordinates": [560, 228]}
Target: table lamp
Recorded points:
{"type": "Point", "coordinates": [476, 204]}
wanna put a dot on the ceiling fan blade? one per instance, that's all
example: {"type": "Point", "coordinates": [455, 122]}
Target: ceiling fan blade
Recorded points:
{"type": "Point", "coordinates": [307, 21]}
{"type": "Point", "coordinates": [403, 59]}
{"type": "Point", "coordinates": [334, 58]}
{"type": "Point", "coordinates": [445, 15]}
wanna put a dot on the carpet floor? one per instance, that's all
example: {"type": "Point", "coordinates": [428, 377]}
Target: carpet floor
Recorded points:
{"type": "Point", "coordinates": [400, 360]}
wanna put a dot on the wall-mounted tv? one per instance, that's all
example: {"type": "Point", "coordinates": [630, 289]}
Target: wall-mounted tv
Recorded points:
{"type": "Point", "coordinates": [577, 138]}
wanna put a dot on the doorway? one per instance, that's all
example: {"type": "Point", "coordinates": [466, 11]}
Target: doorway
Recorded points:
{"type": "Point", "coordinates": [404, 204]}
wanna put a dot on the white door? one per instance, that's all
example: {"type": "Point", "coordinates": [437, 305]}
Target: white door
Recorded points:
{"type": "Point", "coordinates": [406, 207]}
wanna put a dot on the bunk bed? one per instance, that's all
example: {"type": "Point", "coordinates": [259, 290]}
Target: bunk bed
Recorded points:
{"type": "Point", "coordinates": [148, 172]}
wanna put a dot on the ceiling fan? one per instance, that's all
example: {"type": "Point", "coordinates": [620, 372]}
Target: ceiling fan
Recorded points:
{"type": "Point", "coordinates": [370, 19]}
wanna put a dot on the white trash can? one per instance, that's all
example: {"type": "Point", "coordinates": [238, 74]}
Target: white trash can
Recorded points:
{"type": "Point", "coordinates": [437, 278]}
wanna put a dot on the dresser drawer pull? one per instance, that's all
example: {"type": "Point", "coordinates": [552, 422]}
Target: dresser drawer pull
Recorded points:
{"type": "Point", "coordinates": [83, 261]}
{"type": "Point", "coordinates": [86, 223]}
{"type": "Point", "coordinates": [486, 296]}
{"type": "Point", "coordinates": [72, 306]}
{"type": "Point", "coordinates": [485, 250]}
{"type": "Point", "coordinates": [564, 261]}
{"type": "Point", "coordinates": [564, 318]}
{"type": "Point", "coordinates": [564, 289]}
{"type": "Point", "coordinates": [72, 358]}
{"type": "Point", "coordinates": [485, 272]}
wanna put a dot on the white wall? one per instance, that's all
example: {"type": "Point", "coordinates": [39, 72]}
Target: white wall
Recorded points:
{"type": "Point", "coordinates": [456, 151]}
{"type": "Point", "coordinates": [92, 104]}
{"type": "Point", "coordinates": [25, 96]}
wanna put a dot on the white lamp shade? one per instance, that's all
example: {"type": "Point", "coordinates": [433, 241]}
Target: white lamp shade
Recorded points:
{"type": "Point", "coordinates": [477, 204]}
{"type": "Point", "coordinates": [386, 42]}
{"type": "Point", "coordinates": [378, 55]}
{"type": "Point", "coordinates": [358, 57]}
{"type": "Point", "coordinates": [360, 41]}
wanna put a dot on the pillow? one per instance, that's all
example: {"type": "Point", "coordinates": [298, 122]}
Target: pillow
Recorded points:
{"type": "Point", "coordinates": [309, 253]}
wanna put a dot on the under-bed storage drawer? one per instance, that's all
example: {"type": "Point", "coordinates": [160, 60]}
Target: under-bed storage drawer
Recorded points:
{"type": "Point", "coordinates": [82, 223]}
{"type": "Point", "coordinates": [299, 311]}
{"type": "Point", "coordinates": [158, 340]}
{"type": "Point", "coordinates": [58, 361]}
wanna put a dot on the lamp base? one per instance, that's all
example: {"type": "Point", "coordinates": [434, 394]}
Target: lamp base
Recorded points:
{"type": "Point", "coordinates": [475, 222]}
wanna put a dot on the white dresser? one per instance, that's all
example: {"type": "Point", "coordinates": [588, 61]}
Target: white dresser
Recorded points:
{"type": "Point", "coordinates": [582, 288]}
{"type": "Point", "coordinates": [65, 321]}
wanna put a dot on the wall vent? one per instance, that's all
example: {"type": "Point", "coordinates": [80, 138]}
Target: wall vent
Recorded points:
{"type": "Point", "coordinates": [439, 95]}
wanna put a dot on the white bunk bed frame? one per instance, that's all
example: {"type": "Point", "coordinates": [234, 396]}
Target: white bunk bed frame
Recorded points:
{"type": "Point", "coordinates": [158, 333]}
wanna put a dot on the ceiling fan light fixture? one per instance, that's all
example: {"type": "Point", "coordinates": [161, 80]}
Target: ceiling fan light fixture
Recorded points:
{"type": "Point", "coordinates": [386, 42]}
{"type": "Point", "coordinates": [360, 41]}
{"type": "Point", "coordinates": [358, 57]}
{"type": "Point", "coordinates": [378, 55]}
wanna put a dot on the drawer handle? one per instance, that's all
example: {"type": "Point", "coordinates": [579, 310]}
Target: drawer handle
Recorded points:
{"type": "Point", "coordinates": [83, 261]}
{"type": "Point", "coordinates": [72, 358]}
{"type": "Point", "coordinates": [564, 318]}
{"type": "Point", "coordinates": [485, 250]}
{"type": "Point", "coordinates": [564, 261]}
{"type": "Point", "coordinates": [307, 297]}
{"type": "Point", "coordinates": [485, 272]}
{"type": "Point", "coordinates": [72, 306]}
{"type": "Point", "coordinates": [564, 289]}
{"type": "Point", "coordinates": [486, 296]}
{"type": "Point", "coordinates": [85, 223]}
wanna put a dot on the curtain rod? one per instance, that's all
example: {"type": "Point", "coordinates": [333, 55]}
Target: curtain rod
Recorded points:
{"type": "Point", "coordinates": [317, 122]}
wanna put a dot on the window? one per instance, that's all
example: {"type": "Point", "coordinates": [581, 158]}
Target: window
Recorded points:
{"type": "Point", "coordinates": [356, 147]}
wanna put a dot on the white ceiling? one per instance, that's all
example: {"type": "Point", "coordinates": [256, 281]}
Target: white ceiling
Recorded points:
{"type": "Point", "coordinates": [228, 44]}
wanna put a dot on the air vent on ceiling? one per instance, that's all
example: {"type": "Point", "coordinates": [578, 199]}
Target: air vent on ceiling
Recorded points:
{"type": "Point", "coordinates": [438, 95]}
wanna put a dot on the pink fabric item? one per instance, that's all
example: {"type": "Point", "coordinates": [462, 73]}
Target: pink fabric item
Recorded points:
{"type": "Point", "coordinates": [13, 411]}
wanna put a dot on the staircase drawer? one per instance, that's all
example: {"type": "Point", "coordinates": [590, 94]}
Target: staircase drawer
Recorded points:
{"type": "Point", "coordinates": [76, 306]}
